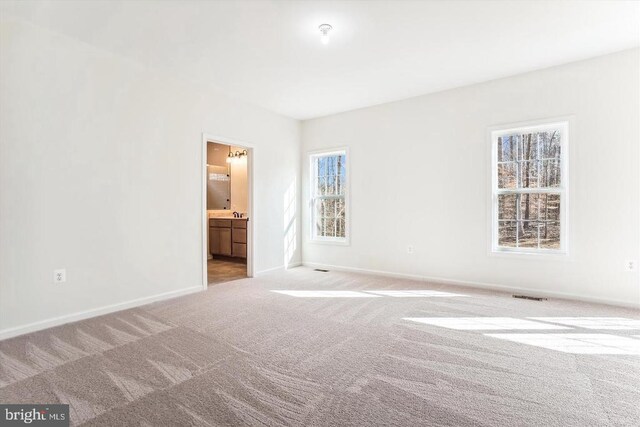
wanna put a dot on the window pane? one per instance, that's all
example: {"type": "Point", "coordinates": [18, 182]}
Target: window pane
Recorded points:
{"type": "Point", "coordinates": [330, 224]}
{"type": "Point", "coordinates": [550, 235]}
{"type": "Point", "coordinates": [529, 207]}
{"type": "Point", "coordinates": [528, 147]}
{"type": "Point", "coordinates": [507, 233]}
{"type": "Point", "coordinates": [507, 175]}
{"type": "Point", "coordinates": [340, 208]}
{"type": "Point", "coordinates": [550, 173]}
{"type": "Point", "coordinates": [319, 226]}
{"type": "Point", "coordinates": [528, 174]}
{"type": "Point", "coordinates": [342, 180]}
{"type": "Point", "coordinates": [527, 234]}
{"type": "Point", "coordinates": [549, 207]}
{"type": "Point", "coordinates": [331, 175]}
{"type": "Point", "coordinates": [507, 149]}
{"type": "Point", "coordinates": [330, 217]}
{"type": "Point", "coordinates": [330, 208]}
{"type": "Point", "coordinates": [321, 185]}
{"type": "Point", "coordinates": [341, 227]}
{"type": "Point", "coordinates": [507, 206]}
{"type": "Point", "coordinates": [321, 166]}
{"type": "Point", "coordinates": [335, 208]}
{"type": "Point", "coordinates": [331, 184]}
{"type": "Point", "coordinates": [320, 208]}
{"type": "Point", "coordinates": [335, 165]}
{"type": "Point", "coordinates": [550, 147]}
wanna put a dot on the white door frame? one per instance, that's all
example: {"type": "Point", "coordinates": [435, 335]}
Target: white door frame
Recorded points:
{"type": "Point", "coordinates": [251, 229]}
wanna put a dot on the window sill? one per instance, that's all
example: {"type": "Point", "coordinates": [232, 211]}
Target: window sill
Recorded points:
{"type": "Point", "coordinates": [344, 242]}
{"type": "Point", "coordinates": [560, 255]}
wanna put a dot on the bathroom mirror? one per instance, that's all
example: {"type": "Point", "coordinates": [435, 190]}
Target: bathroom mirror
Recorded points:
{"type": "Point", "coordinates": [227, 185]}
{"type": "Point", "coordinates": [218, 187]}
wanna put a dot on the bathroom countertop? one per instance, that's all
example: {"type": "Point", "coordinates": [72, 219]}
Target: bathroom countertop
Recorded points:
{"type": "Point", "coordinates": [226, 217]}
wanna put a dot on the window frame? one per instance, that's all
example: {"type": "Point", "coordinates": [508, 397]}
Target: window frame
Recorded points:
{"type": "Point", "coordinates": [564, 126]}
{"type": "Point", "coordinates": [313, 238]}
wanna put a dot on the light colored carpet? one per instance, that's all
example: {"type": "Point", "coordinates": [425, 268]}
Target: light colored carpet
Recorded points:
{"type": "Point", "coordinates": [240, 354]}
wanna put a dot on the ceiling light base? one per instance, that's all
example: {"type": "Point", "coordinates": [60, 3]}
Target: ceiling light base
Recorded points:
{"type": "Point", "coordinates": [324, 32]}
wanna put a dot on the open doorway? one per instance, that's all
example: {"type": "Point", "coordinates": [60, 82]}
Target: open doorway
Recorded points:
{"type": "Point", "coordinates": [227, 230]}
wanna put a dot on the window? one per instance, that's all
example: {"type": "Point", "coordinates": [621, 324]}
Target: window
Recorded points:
{"type": "Point", "coordinates": [529, 189]}
{"type": "Point", "coordinates": [329, 219]}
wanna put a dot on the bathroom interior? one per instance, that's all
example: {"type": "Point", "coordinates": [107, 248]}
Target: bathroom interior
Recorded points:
{"type": "Point", "coordinates": [227, 202]}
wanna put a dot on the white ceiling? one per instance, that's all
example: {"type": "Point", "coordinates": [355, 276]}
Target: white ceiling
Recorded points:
{"type": "Point", "coordinates": [269, 52]}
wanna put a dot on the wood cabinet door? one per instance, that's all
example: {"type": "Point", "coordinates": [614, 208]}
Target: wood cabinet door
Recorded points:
{"type": "Point", "coordinates": [239, 235]}
{"type": "Point", "coordinates": [225, 241]}
{"type": "Point", "coordinates": [240, 250]}
{"type": "Point", "coordinates": [220, 241]}
{"type": "Point", "coordinates": [214, 241]}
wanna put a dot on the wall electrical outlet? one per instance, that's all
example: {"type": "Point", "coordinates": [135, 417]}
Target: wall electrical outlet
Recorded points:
{"type": "Point", "coordinates": [410, 249]}
{"type": "Point", "coordinates": [631, 265]}
{"type": "Point", "coordinates": [59, 276]}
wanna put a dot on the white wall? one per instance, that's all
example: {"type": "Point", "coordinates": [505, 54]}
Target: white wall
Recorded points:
{"type": "Point", "coordinates": [420, 176]}
{"type": "Point", "coordinates": [100, 173]}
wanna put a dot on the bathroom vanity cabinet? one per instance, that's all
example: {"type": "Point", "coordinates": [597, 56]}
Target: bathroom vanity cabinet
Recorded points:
{"type": "Point", "coordinates": [228, 236]}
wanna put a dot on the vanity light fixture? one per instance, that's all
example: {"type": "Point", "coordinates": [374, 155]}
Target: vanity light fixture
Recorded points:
{"type": "Point", "coordinates": [324, 33]}
{"type": "Point", "coordinates": [237, 156]}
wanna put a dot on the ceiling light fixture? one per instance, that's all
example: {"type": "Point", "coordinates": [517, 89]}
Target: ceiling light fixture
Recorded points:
{"type": "Point", "coordinates": [324, 33]}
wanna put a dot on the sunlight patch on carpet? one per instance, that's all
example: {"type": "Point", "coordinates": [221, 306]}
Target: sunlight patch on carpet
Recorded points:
{"type": "Point", "coordinates": [483, 323]}
{"type": "Point", "coordinates": [577, 343]}
{"type": "Point", "coordinates": [415, 294]}
{"type": "Point", "coordinates": [327, 294]}
{"type": "Point", "coordinates": [616, 323]}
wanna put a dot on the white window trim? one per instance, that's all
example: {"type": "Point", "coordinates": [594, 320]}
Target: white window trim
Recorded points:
{"type": "Point", "coordinates": [342, 241]}
{"type": "Point", "coordinates": [564, 124]}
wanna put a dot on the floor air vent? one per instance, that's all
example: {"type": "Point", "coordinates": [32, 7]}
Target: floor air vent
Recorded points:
{"type": "Point", "coordinates": [321, 270]}
{"type": "Point", "coordinates": [530, 297]}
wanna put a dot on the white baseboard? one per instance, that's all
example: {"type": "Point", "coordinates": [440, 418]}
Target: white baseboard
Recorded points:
{"type": "Point", "coordinates": [81, 315]}
{"type": "Point", "coordinates": [268, 270]}
{"type": "Point", "coordinates": [481, 285]}
{"type": "Point", "coordinates": [278, 268]}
